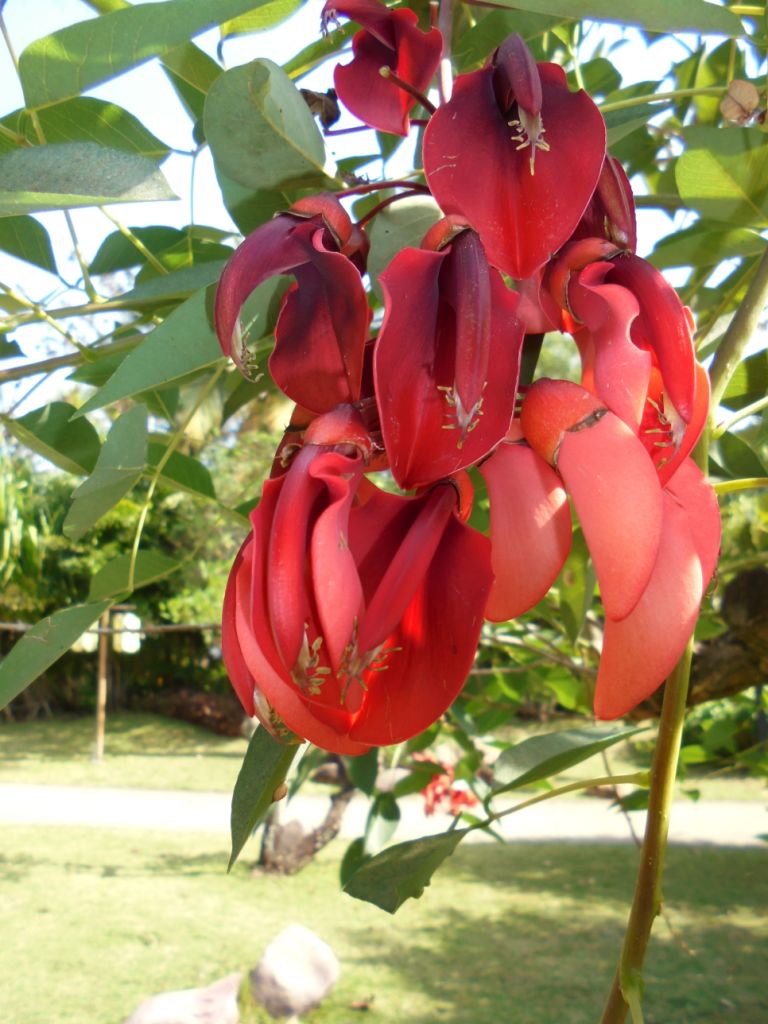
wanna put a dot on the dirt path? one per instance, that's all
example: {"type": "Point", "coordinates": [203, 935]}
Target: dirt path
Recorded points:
{"type": "Point", "coordinates": [727, 823]}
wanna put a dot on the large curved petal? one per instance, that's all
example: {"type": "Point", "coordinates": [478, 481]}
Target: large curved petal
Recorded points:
{"type": "Point", "coordinates": [412, 54]}
{"type": "Point", "coordinates": [446, 362]}
{"type": "Point", "coordinates": [693, 492]}
{"type": "Point", "coordinates": [321, 332]}
{"type": "Point", "coordinates": [617, 497]}
{"type": "Point", "coordinates": [620, 369]}
{"type": "Point", "coordinates": [521, 217]}
{"type": "Point", "coordinates": [663, 325]}
{"type": "Point", "coordinates": [330, 732]}
{"type": "Point", "coordinates": [434, 644]}
{"type": "Point", "coordinates": [530, 529]}
{"type": "Point", "coordinates": [640, 651]}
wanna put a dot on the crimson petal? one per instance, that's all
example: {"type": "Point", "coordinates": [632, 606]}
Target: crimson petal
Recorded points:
{"type": "Point", "coordinates": [474, 168]}
{"type": "Point", "coordinates": [446, 360]}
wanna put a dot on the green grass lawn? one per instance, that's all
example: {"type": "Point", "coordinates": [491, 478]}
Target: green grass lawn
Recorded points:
{"type": "Point", "coordinates": [151, 752]}
{"type": "Point", "coordinates": [141, 750]}
{"type": "Point", "coordinates": [96, 920]}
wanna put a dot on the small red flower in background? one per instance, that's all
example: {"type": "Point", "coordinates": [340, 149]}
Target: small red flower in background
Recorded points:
{"type": "Point", "coordinates": [389, 39]}
{"type": "Point", "coordinates": [443, 794]}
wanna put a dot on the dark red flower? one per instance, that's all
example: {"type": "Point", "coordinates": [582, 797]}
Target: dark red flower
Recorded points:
{"type": "Point", "coordinates": [352, 615]}
{"type": "Point", "coordinates": [447, 357]}
{"type": "Point", "coordinates": [518, 155]}
{"type": "Point", "coordinates": [322, 328]}
{"type": "Point", "coordinates": [389, 39]}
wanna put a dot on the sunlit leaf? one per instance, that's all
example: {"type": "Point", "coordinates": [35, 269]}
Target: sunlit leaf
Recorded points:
{"type": "Point", "coordinates": [264, 768]}
{"type": "Point", "coordinates": [120, 463]}
{"type": "Point", "coordinates": [540, 757]}
{"type": "Point", "coordinates": [42, 645]}
{"type": "Point", "coordinates": [26, 239]}
{"type": "Point", "coordinates": [261, 131]}
{"type": "Point", "coordinates": [72, 445]}
{"type": "Point", "coordinates": [403, 871]}
{"type": "Point", "coordinates": [723, 174]}
{"type": "Point", "coordinates": [403, 224]}
{"type": "Point", "coordinates": [113, 579]}
{"type": "Point", "coordinates": [71, 174]}
{"type": "Point", "coordinates": [183, 342]}
{"type": "Point", "coordinates": [69, 61]}
{"type": "Point", "coordinates": [654, 15]}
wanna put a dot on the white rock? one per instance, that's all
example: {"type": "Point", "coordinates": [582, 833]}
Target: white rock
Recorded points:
{"type": "Point", "coordinates": [216, 1004]}
{"type": "Point", "coordinates": [295, 974]}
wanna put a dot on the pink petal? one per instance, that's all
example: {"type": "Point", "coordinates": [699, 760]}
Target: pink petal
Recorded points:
{"type": "Point", "coordinates": [621, 370]}
{"type": "Point", "coordinates": [663, 325]}
{"type": "Point", "coordinates": [693, 492]}
{"type": "Point", "coordinates": [640, 651]}
{"type": "Point", "coordinates": [617, 496]}
{"type": "Point", "coordinates": [530, 529]}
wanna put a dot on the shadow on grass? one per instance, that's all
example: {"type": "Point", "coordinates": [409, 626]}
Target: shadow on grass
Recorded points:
{"type": "Point", "coordinates": [551, 939]}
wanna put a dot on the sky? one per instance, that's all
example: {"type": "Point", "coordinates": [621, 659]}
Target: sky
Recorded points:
{"type": "Point", "coordinates": [146, 92]}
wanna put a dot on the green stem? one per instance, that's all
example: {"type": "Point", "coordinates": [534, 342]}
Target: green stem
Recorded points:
{"type": "Point", "coordinates": [85, 355]}
{"type": "Point", "coordinates": [627, 984]}
{"type": "Point", "coordinates": [634, 778]}
{"type": "Point", "coordinates": [39, 314]}
{"type": "Point", "coordinates": [135, 242]}
{"type": "Point", "coordinates": [746, 484]}
{"type": "Point", "coordinates": [705, 329]}
{"type": "Point", "coordinates": [84, 269]}
{"type": "Point", "coordinates": [740, 414]}
{"type": "Point", "coordinates": [648, 97]}
{"type": "Point", "coordinates": [740, 332]}
{"type": "Point", "coordinates": [173, 444]}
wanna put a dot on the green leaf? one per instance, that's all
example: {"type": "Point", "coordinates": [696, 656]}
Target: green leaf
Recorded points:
{"type": "Point", "coordinates": [261, 131]}
{"type": "Point", "coordinates": [539, 757]}
{"type": "Point", "coordinates": [620, 123]}
{"type": "Point", "coordinates": [183, 343]}
{"type": "Point", "coordinates": [119, 465]}
{"type": "Point", "coordinates": [705, 244]}
{"type": "Point", "coordinates": [9, 349]}
{"type": "Point", "coordinates": [576, 586]}
{"type": "Point", "coordinates": [42, 645]}
{"type": "Point", "coordinates": [71, 60]}
{"type": "Point", "coordinates": [354, 855]}
{"type": "Point", "coordinates": [192, 73]}
{"type": "Point", "coordinates": [72, 174]}
{"type": "Point", "coordinates": [654, 15]}
{"type": "Point", "coordinates": [267, 16]}
{"type": "Point", "coordinates": [117, 252]}
{"type": "Point", "coordinates": [249, 208]}
{"type": "Point", "coordinates": [737, 458]}
{"type": "Point", "coordinates": [723, 174]}
{"type": "Point", "coordinates": [181, 471]}
{"type": "Point", "coordinates": [400, 225]}
{"type": "Point", "coordinates": [403, 871]}
{"type": "Point", "coordinates": [749, 382]}
{"type": "Point", "coordinates": [472, 47]}
{"type": "Point", "coordinates": [383, 819]}
{"type": "Point", "coordinates": [264, 768]}
{"type": "Point", "coordinates": [72, 445]}
{"type": "Point", "coordinates": [363, 770]}
{"type": "Point", "coordinates": [320, 50]}
{"type": "Point", "coordinates": [85, 119]}
{"type": "Point", "coordinates": [112, 580]}
{"type": "Point", "coordinates": [179, 284]}
{"type": "Point", "coordinates": [26, 239]}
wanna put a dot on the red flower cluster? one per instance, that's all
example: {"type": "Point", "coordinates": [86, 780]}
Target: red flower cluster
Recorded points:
{"type": "Point", "coordinates": [352, 614]}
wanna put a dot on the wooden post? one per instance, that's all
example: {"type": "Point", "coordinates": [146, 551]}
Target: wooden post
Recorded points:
{"type": "Point", "coordinates": [101, 686]}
